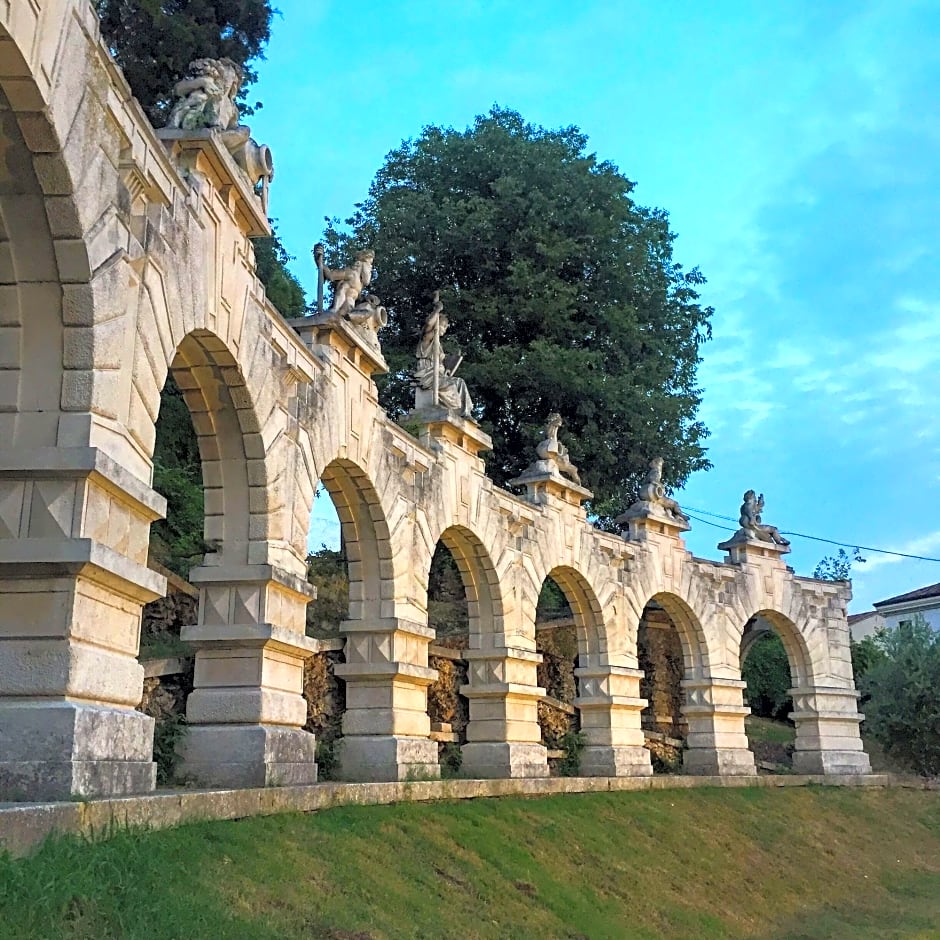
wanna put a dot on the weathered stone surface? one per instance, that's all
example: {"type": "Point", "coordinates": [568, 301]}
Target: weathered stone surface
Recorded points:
{"type": "Point", "coordinates": [131, 258]}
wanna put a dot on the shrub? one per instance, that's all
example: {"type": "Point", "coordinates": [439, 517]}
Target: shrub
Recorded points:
{"type": "Point", "coordinates": [572, 743]}
{"type": "Point", "coordinates": [903, 689]}
{"type": "Point", "coordinates": [450, 757]}
{"type": "Point", "coordinates": [167, 735]}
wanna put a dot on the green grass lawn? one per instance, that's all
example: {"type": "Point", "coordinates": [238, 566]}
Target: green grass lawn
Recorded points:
{"type": "Point", "coordinates": [791, 863]}
{"type": "Point", "coordinates": [766, 730]}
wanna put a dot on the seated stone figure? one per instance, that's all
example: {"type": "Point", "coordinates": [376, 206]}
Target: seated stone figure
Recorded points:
{"type": "Point", "coordinates": [206, 101]}
{"type": "Point", "coordinates": [654, 493]}
{"type": "Point", "coordinates": [349, 283]}
{"type": "Point", "coordinates": [553, 452]}
{"type": "Point", "coordinates": [750, 521]}
{"type": "Point", "coordinates": [653, 500]}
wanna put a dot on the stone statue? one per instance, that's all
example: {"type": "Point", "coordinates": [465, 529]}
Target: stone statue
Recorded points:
{"type": "Point", "coordinates": [349, 283]}
{"type": "Point", "coordinates": [750, 521]}
{"type": "Point", "coordinates": [552, 452]}
{"type": "Point", "coordinates": [654, 493]}
{"type": "Point", "coordinates": [207, 97]}
{"type": "Point", "coordinates": [435, 371]}
{"type": "Point", "coordinates": [207, 102]}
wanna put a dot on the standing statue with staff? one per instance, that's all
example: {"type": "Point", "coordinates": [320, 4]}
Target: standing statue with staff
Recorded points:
{"type": "Point", "coordinates": [434, 372]}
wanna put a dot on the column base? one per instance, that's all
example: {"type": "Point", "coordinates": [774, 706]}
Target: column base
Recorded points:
{"type": "Point", "coordinates": [495, 760]}
{"type": "Point", "coordinates": [718, 762]}
{"type": "Point", "coordinates": [601, 761]}
{"type": "Point", "coordinates": [375, 758]}
{"type": "Point", "coordinates": [248, 756]}
{"type": "Point", "coordinates": [63, 750]}
{"type": "Point", "coordinates": [831, 762]}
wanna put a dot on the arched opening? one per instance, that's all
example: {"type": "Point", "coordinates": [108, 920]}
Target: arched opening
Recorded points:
{"type": "Point", "coordinates": [463, 602]}
{"type": "Point", "coordinates": [200, 467]}
{"type": "Point", "coordinates": [565, 611]}
{"type": "Point", "coordinates": [348, 562]}
{"type": "Point", "coordinates": [327, 571]}
{"type": "Point", "coordinates": [669, 651]}
{"type": "Point", "coordinates": [448, 617]}
{"type": "Point", "coordinates": [773, 662]}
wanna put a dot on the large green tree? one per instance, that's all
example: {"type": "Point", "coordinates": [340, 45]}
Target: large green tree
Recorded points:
{"type": "Point", "coordinates": [155, 40]}
{"type": "Point", "coordinates": [562, 294]}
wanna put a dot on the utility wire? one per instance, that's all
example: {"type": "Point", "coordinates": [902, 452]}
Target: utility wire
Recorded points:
{"type": "Point", "coordinates": [814, 538]}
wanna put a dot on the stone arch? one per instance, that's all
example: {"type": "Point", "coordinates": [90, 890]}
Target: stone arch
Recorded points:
{"type": "Point", "coordinates": [480, 581]}
{"type": "Point", "coordinates": [43, 262]}
{"type": "Point", "coordinates": [366, 539]}
{"type": "Point", "coordinates": [235, 472]}
{"type": "Point", "coordinates": [695, 649]}
{"type": "Point", "coordinates": [797, 650]}
{"type": "Point", "coordinates": [586, 608]}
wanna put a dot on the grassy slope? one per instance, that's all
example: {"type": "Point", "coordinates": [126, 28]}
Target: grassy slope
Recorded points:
{"type": "Point", "coordinates": [812, 862]}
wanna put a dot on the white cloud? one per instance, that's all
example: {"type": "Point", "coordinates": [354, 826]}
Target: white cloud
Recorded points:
{"type": "Point", "coordinates": [927, 545]}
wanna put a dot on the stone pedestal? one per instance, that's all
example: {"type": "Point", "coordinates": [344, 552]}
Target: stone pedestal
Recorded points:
{"type": "Point", "coordinates": [645, 520]}
{"type": "Point", "coordinates": [246, 711]}
{"type": "Point", "coordinates": [386, 729]}
{"type": "Point", "coordinates": [827, 732]}
{"type": "Point", "coordinates": [609, 705]}
{"type": "Point", "coordinates": [334, 337]}
{"type": "Point", "coordinates": [717, 742]}
{"type": "Point", "coordinates": [742, 550]}
{"type": "Point", "coordinates": [543, 483]}
{"type": "Point", "coordinates": [503, 736]}
{"type": "Point", "coordinates": [443, 426]}
{"type": "Point", "coordinates": [73, 578]}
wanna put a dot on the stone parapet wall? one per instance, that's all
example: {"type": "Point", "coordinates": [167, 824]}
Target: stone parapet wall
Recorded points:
{"type": "Point", "coordinates": [23, 828]}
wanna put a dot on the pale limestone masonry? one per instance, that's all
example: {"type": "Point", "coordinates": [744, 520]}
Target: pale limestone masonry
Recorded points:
{"type": "Point", "coordinates": [124, 256]}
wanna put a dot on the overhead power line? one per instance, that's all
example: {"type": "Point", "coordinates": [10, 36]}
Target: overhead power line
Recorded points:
{"type": "Point", "coordinates": [814, 538]}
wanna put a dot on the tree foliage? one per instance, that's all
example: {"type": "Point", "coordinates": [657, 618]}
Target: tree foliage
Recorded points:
{"type": "Point", "coordinates": [153, 41]}
{"type": "Point", "coordinates": [562, 294]}
{"type": "Point", "coordinates": [177, 541]}
{"type": "Point", "coordinates": [447, 597]}
{"type": "Point", "coordinates": [326, 571]}
{"type": "Point", "coordinates": [280, 285]}
{"type": "Point", "coordinates": [838, 567]}
{"type": "Point", "coordinates": [902, 711]}
{"type": "Point", "coordinates": [766, 671]}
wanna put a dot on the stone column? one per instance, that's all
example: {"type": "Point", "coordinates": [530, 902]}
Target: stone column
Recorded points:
{"type": "Point", "coordinates": [717, 742]}
{"type": "Point", "coordinates": [246, 711]}
{"type": "Point", "coordinates": [74, 530]}
{"type": "Point", "coordinates": [827, 732]}
{"type": "Point", "coordinates": [609, 704]}
{"type": "Point", "coordinates": [503, 736]}
{"type": "Point", "coordinates": [386, 729]}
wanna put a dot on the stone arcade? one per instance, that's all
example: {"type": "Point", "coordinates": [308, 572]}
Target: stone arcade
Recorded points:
{"type": "Point", "coordinates": [125, 256]}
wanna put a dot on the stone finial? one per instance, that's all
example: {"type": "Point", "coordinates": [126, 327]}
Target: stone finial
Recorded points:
{"type": "Point", "coordinates": [206, 101]}
{"type": "Point", "coordinates": [752, 528]}
{"type": "Point", "coordinates": [434, 378]}
{"type": "Point", "coordinates": [654, 502]}
{"type": "Point", "coordinates": [553, 455]}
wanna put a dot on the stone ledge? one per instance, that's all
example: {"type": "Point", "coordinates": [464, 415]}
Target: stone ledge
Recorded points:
{"type": "Point", "coordinates": [24, 826]}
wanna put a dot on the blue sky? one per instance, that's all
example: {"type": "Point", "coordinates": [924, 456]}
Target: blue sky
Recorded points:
{"type": "Point", "coordinates": [797, 150]}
